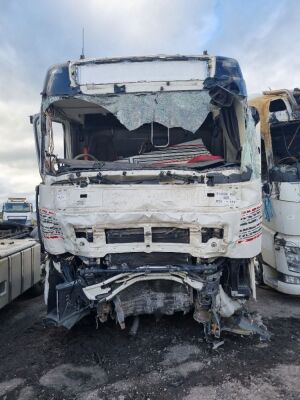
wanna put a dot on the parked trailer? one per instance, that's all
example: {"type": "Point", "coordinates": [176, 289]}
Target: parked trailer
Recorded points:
{"type": "Point", "coordinates": [20, 267]}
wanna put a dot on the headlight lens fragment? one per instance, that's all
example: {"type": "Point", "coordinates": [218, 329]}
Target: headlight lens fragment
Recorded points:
{"type": "Point", "coordinates": [292, 254]}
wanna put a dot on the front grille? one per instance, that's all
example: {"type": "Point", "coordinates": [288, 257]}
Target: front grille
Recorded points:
{"type": "Point", "coordinates": [140, 259]}
{"type": "Point", "coordinates": [130, 235]}
{"type": "Point", "coordinates": [170, 235]}
{"type": "Point", "coordinates": [21, 221]}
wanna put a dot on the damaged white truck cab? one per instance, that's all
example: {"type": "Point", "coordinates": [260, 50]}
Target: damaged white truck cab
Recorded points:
{"type": "Point", "coordinates": [278, 113]}
{"type": "Point", "coordinates": [155, 205]}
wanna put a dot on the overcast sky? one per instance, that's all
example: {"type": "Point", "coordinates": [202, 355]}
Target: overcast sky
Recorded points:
{"type": "Point", "coordinates": [262, 34]}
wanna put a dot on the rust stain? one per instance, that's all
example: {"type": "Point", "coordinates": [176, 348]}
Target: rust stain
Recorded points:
{"type": "Point", "coordinates": [262, 104]}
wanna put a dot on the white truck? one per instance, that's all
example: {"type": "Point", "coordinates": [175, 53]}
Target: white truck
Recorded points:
{"type": "Point", "coordinates": [154, 204]}
{"type": "Point", "coordinates": [18, 210]}
{"type": "Point", "coordinates": [279, 125]}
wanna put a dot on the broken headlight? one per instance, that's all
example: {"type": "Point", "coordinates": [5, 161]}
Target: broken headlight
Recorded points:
{"type": "Point", "coordinates": [292, 254]}
{"type": "Point", "coordinates": [295, 280]}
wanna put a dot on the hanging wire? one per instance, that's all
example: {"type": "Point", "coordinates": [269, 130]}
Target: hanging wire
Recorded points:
{"type": "Point", "coordinates": [268, 208]}
{"type": "Point", "coordinates": [295, 134]}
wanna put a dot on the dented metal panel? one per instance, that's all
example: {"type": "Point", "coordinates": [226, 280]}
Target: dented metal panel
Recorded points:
{"type": "Point", "coordinates": [174, 109]}
{"type": "Point", "coordinates": [156, 207]}
{"type": "Point", "coordinates": [182, 206]}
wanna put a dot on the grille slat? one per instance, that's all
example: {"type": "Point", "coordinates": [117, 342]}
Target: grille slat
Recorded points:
{"type": "Point", "coordinates": [130, 235]}
{"type": "Point", "coordinates": [136, 235]}
{"type": "Point", "coordinates": [170, 235]}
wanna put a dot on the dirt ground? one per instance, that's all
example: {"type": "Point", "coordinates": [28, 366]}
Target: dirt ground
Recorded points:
{"type": "Point", "coordinates": [168, 359]}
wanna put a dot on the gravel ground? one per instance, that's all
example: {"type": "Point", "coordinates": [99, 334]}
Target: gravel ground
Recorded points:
{"type": "Point", "coordinates": [168, 359]}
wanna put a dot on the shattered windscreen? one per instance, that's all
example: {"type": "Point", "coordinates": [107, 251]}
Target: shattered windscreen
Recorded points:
{"type": "Point", "coordinates": [193, 122]}
{"type": "Point", "coordinates": [156, 129]}
{"type": "Point", "coordinates": [187, 110]}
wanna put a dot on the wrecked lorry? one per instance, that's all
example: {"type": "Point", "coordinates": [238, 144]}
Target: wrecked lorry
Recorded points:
{"type": "Point", "coordinates": [278, 122]}
{"type": "Point", "coordinates": [154, 206]}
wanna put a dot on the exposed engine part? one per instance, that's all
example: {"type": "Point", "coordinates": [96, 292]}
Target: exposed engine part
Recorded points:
{"type": "Point", "coordinates": [104, 310]}
{"type": "Point", "coordinates": [206, 290]}
{"type": "Point", "coordinates": [159, 297]}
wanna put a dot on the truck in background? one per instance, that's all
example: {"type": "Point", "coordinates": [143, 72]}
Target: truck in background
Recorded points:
{"type": "Point", "coordinates": [20, 254]}
{"type": "Point", "coordinates": [150, 199]}
{"type": "Point", "coordinates": [278, 123]}
{"type": "Point", "coordinates": [18, 210]}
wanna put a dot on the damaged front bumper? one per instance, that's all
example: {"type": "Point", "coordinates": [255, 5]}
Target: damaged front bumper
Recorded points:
{"type": "Point", "coordinates": [216, 299]}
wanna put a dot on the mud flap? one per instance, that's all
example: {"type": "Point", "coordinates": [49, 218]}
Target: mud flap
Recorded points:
{"type": "Point", "coordinates": [71, 305]}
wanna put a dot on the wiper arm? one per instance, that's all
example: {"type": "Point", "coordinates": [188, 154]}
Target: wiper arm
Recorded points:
{"type": "Point", "coordinates": [64, 163]}
{"type": "Point", "coordinates": [167, 176]}
{"type": "Point", "coordinates": [171, 176]}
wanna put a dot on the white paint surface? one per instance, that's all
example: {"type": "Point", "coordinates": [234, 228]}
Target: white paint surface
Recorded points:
{"type": "Point", "coordinates": [146, 71]}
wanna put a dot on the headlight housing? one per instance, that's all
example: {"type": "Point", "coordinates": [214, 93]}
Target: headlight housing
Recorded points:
{"type": "Point", "coordinates": [292, 254]}
{"type": "Point", "coordinates": [291, 279]}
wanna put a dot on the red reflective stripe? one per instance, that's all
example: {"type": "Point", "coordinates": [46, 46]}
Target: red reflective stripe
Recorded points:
{"type": "Point", "coordinates": [249, 239]}
{"type": "Point", "coordinates": [53, 237]}
{"type": "Point", "coordinates": [205, 157]}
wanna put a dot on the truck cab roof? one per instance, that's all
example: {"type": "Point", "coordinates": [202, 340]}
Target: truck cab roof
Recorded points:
{"type": "Point", "coordinates": [68, 78]}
